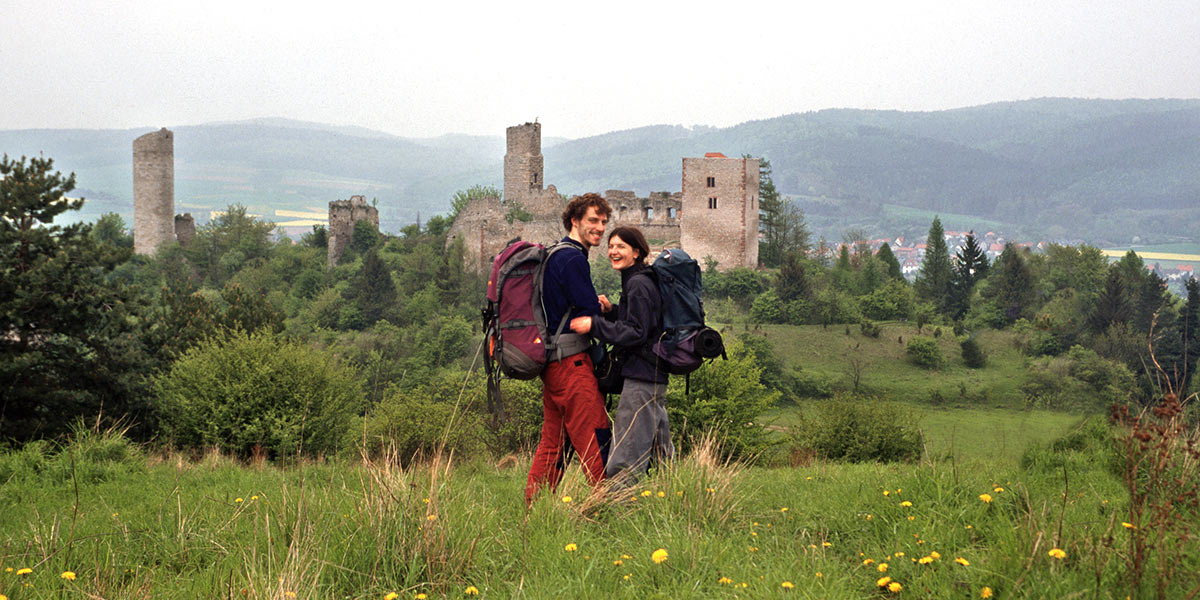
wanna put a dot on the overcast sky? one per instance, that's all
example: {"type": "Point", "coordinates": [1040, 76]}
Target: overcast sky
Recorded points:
{"type": "Point", "coordinates": [582, 68]}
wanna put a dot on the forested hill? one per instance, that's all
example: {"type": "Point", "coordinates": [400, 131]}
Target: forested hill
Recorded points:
{"type": "Point", "coordinates": [1065, 169]}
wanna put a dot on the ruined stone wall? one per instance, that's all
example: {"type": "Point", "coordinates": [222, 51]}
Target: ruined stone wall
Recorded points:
{"type": "Point", "coordinates": [343, 214]}
{"type": "Point", "coordinates": [719, 216]}
{"type": "Point", "coordinates": [153, 191]}
{"type": "Point", "coordinates": [523, 163]}
{"type": "Point", "coordinates": [185, 228]}
{"type": "Point", "coordinates": [484, 230]}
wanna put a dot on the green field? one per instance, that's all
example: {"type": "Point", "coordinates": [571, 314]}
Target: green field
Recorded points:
{"type": "Point", "coordinates": [166, 526]}
{"type": "Point", "coordinates": [885, 372]}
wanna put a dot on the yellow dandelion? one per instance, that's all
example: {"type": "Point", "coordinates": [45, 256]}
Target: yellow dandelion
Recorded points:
{"type": "Point", "coordinates": [819, 575]}
{"type": "Point", "coordinates": [679, 493]}
{"type": "Point", "coordinates": [662, 494]}
{"type": "Point", "coordinates": [68, 575]}
{"type": "Point", "coordinates": [901, 554]}
{"type": "Point", "coordinates": [986, 592]}
{"type": "Point", "coordinates": [997, 489]}
{"type": "Point", "coordinates": [962, 561]}
{"type": "Point", "coordinates": [420, 596]}
{"type": "Point", "coordinates": [724, 581]}
{"type": "Point", "coordinates": [426, 500]}
{"type": "Point", "coordinates": [254, 497]}
{"type": "Point", "coordinates": [647, 493]}
{"type": "Point", "coordinates": [787, 585]}
{"type": "Point", "coordinates": [895, 587]}
{"type": "Point", "coordinates": [471, 591]}
{"type": "Point", "coordinates": [566, 499]}
{"type": "Point", "coordinates": [290, 594]}
{"type": "Point", "coordinates": [986, 498]}
{"type": "Point", "coordinates": [868, 561]}
{"type": "Point", "coordinates": [618, 562]}
{"type": "Point", "coordinates": [935, 555]}
{"type": "Point", "coordinates": [3, 597]}
{"type": "Point", "coordinates": [710, 490]}
{"type": "Point", "coordinates": [626, 556]}
{"type": "Point", "coordinates": [784, 509]}
{"type": "Point", "coordinates": [882, 568]}
{"type": "Point", "coordinates": [659, 556]}
{"type": "Point", "coordinates": [809, 478]}
{"type": "Point", "coordinates": [24, 571]}
{"type": "Point", "coordinates": [826, 544]}
{"type": "Point", "coordinates": [883, 581]}
{"type": "Point", "coordinates": [754, 533]}
{"type": "Point", "coordinates": [911, 518]}
{"type": "Point", "coordinates": [744, 584]}
{"type": "Point", "coordinates": [8, 569]}
{"type": "Point", "coordinates": [868, 516]}
{"type": "Point", "coordinates": [1127, 525]}
{"type": "Point", "coordinates": [391, 596]}
{"type": "Point", "coordinates": [238, 500]}
{"type": "Point", "coordinates": [906, 504]}
{"type": "Point", "coordinates": [431, 517]}
{"type": "Point", "coordinates": [753, 548]}
{"type": "Point", "coordinates": [925, 560]}
{"type": "Point", "coordinates": [898, 490]}
{"type": "Point", "coordinates": [887, 493]}
{"type": "Point", "coordinates": [1057, 553]}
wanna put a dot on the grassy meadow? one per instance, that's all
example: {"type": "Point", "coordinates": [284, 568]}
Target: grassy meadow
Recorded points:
{"type": "Point", "coordinates": [1005, 503]}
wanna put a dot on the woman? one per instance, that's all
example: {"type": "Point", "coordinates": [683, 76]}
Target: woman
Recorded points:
{"type": "Point", "coordinates": [640, 428]}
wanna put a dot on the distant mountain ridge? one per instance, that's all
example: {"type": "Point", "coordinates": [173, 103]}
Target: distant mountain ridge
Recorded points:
{"type": "Point", "coordinates": [1056, 168]}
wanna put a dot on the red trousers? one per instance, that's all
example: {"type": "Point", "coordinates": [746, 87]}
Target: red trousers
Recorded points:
{"type": "Point", "coordinates": [573, 418]}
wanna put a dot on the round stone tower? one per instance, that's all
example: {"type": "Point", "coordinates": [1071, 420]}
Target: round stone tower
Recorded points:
{"type": "Point", "coordinates": [153, 191]}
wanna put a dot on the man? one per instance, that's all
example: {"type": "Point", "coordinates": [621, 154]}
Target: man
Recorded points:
{"type": "Point", "coordinates": [572, 407]}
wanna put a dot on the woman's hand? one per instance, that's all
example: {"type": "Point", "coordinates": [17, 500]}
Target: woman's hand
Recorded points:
{"type": "Point", "coordinates": [581, 325]}
{"type": "Point", "coordinates": [605, 305]}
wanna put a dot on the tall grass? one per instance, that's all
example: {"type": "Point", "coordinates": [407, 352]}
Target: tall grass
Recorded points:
{"type": "Point", "coordinates": [169, 526]}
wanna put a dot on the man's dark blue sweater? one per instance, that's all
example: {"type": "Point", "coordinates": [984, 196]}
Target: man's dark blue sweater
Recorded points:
{"type": "Point", "coordinates": [567, 285]}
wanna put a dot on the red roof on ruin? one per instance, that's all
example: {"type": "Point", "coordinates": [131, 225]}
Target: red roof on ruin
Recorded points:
{"type": "Point", "coordinates": [714, 155]}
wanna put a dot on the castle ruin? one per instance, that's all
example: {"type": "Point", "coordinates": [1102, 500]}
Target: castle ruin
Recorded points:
{"type": "Point", "coordinates": [153, 190]}
{"type": "Point", "coordinates": [343, 214]}
{"type": "Point", "coordinates": [715, 215]}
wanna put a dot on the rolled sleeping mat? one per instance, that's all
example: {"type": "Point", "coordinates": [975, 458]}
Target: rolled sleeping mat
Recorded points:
{"type": "Point", "coordinates": [709, 343]}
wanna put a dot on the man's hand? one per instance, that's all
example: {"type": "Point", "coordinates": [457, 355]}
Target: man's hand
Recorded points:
{"type": "Point", "coordinates": [605, 305]}
{"type": "Point", "coordinates": [581, 325]}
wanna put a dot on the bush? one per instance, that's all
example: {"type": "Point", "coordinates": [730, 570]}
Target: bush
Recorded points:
{"type": "Point", "coordinates": [89, 456]}
{"type": "Point", "coordinates": [726, 397]}
{"type": "Point", "coordinates": [246, 392]}
{"type": "Point", "coordinates": [767, 308]}
{"type": "Point", "coordinates": [925, 352]}
{"type": "Point", "coordinates": [860, 430]}
{"type": "Point", "coordinates": [415, 422]}
{"type": "Point", "coordinates": [1080, 379]}
{"type": "Point", "coordinates": [972, 354]}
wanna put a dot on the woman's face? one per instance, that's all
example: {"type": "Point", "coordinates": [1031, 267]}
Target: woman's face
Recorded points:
{"type": "Point", "coordinates": [621, 254]}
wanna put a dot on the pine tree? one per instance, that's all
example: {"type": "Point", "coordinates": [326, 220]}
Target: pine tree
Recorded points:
{"type": "Point", "coordinates": [770, 208]}
{"type": "Point", "coordinates": [793, 283]}
{"type": "Point", "coordinates": [372, 289]}
{"type": "Point", "coordinates": [1112, 305]}
{"type": "Point", "coordinates": [888, 258]}
{"type": "Point", "coordinates": [1190, 326]}
{"type": "Point", "coordinates": [933, 282]}
{"type": "Point", "coordinates": [67, 344]}
{"type": "Point", "coordinates": [1011, 284]}
{"type": "Point", "coordinates": [970, 266]}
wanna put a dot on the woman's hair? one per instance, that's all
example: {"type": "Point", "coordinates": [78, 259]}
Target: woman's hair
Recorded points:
{"type": "Point", "coordinates": [578, 206]}
{"type": "Point", "coordinates": [632, 236]}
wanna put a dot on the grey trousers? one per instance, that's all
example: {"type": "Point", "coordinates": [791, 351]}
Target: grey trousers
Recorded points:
{"type": "Point", "coordinates": [640, 431]}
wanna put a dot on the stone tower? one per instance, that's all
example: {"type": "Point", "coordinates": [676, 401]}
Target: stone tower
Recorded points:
{"type": "Point", "coordinates": [523, 162]}
{"type": "Point", "coordinates": [719, 212]}
{"type": "Point", "coordinates": [153, 190]}
{"type": "Point", "coordinates": [343, 214]}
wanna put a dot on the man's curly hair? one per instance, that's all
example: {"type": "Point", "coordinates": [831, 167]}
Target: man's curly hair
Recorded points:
{"type": "Point", "coordinates": [579, 205]}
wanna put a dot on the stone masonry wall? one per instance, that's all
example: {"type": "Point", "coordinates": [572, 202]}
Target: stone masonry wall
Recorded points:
{"type": "Point", "coordinates": [523, 163]}
{"type": "Point", "coordinates": [343, 214]}
{"type": "Point", "coordinates": [727, 232]}
{"type": "Point", "coordinates": [153, 191]}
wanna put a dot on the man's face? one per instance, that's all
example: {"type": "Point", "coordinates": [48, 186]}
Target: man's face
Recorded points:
{"type": "Point", "coordinates": [590, 229]}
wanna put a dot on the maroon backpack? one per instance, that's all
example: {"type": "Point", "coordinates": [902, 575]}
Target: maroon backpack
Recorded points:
{"type": "Point", "coordinates": [519, 342]}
